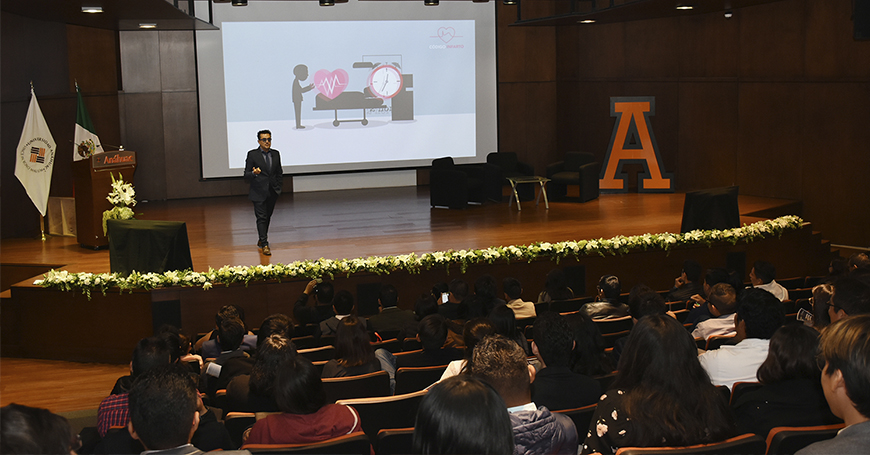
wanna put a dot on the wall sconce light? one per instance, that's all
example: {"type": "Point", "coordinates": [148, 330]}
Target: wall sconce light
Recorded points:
{"type": "Point", "coordinates": [327, 3]}
{"type": "Point", "coordinates": [430, 2]}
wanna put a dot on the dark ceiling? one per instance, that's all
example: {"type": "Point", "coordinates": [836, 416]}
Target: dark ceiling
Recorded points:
{"type": "Point", "coordinates": [128, 14]}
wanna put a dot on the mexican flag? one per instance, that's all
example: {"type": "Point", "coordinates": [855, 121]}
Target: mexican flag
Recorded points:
{"type": "Point", "coordinates": [86, 142]}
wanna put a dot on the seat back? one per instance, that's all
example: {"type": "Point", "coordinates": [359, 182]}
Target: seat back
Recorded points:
{"type": "Point", "coordinates": [393, 345]}
{"type": "Point", "coordinates": [118, 440]}
{"type": "Point", "coordinates": [506, 161]}
{"type": "Point", "coordinates": [738, 389]}
{"type": "Point", "coordinates": [318, 354]}
{"type": "Point", "coordinates": [747, 444]}
{"type": "Point", "coordinates": [582, 417]}
{"type": "Point", "coordinates": [613, 325]}
{"type": "Point", "coordinates": [395, 442]}
{"type": "Point", "coordinates": [236, 423]}
{"type": "Point", "coordinates": [413, 379]}
{"type": "Point", "coordinates": [569, 305]}
{"type": "Point", "coordinates": [375, 384]}
{"type": "Point", "coordinates": [788, 440]}
{"type": "Point", "coordinates": [351, 444]}
{"type": "Point", "coordinates": [376, 414]}
{"type": "Point", "coordinates": [573, 160]}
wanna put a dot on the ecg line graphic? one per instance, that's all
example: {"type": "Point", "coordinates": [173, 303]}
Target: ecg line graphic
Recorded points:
{"type": "Point", "coordinates": [328, 85]}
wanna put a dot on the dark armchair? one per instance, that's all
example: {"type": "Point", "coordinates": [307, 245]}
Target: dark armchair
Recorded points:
{"type": "Point", "coordinates": [508, 165]}
{"type": "Point", "coordinates": [578, 168]}
{"type": "Point", "coordinates": [455, 186]}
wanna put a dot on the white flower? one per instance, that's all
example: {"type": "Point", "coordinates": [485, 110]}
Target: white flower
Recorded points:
{"type": "Point", "coordinates": [601, 429]}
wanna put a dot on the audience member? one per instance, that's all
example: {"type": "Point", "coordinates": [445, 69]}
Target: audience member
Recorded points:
{"type": "Point", "coordinates": [452, 305]}
{"type": "Point", "coordinates": [699, 310]}
{"type": "Point", "coordinates": [208, 345]}
{"type": "Point", "coordinates": [821, 302]}
{"type": "Point", "coordinates": [322, 310]}
{"type": "Point", "coordinates": [432, 334]}
{"type": "Point", "coordinates": [791, 395]}
{"type": "Point", "coordinates": [230, 339]}
{"type": "Point", "coordinates": [556, 287]}
{"type": "Point", "coordinates": [688, 283]}
{"type": "Point", "coordinates": [661, 396]}
{"type": "Point", "coordinates": [513, 292]}
{"type": "Point", "coordinates": [723, 303]}
{"type": "Point", "coordinates": [762, 276]}
{"type": "Point", "coordinates": [502, 364]}
{"type": "Point", "coordinates": [425, 306]}
{"type": "Point", "coordinates": [589, 357]}
{"type": "Point", "coordinates": [254, 392]}
{"type": "Point", "coordinates": [642, 301]}
{"type": "Point", "coordinates": [845, 349]}
{"type": "Point", "coordinates": [484, 298]}
{"type": "Point", "coordinates": [505, 323]}
{"type": "Point", "coordinates": [556, 387]}
{"type": "Point", "coordinates": [475, 330]}
{"type": "Point", "coordinates": [28, 430]}
{"type": "Point", "coordinates": [113, 411]}
{"type": "Point", "coordinates": [391, 318]}
{"type": "Point", "coordinates": [837, 268]}
{"type": "Point", "coordinates": [463, 415]}
{"type": "Point", "coordinates": [343, 306]}
{"type": "Point", "coordinates": [858, 261]}
{"type": "Point", "coordinates": [759, 315]}
{"type": "Point", "coordinates": [607, 305]}
{"type": "Point", "coordinates": [851, 297]}
{"type": "Point", "coordinates": [305, 417]}
{"type": "Point", "coordinates": [354, 354]}
{"type": "Point", "coordinates": [167, 415]}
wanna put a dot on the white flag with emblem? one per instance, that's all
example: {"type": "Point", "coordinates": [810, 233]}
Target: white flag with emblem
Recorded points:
{"type": "Point", "coordinates": [35, 156]}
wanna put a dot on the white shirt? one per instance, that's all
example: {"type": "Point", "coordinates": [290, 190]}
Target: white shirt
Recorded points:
{"type": "Point", "coordinates": [730, 364]}
{"type": "Point", "coordinates": [723, 325]}
{"type": "Point", "coordinates": [522, 310]}
{"type": "Point", "coordinates": [776, 289]}
{"type": "Point", "coordinates": [453, 368]}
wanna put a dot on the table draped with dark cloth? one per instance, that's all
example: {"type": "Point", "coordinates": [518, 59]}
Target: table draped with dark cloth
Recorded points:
{"type": "Point", "coordinates": [148, 246]}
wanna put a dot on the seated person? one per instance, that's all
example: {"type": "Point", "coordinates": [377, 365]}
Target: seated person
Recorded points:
{"type": "Point", "coordinates": [343, 306]}
{"type": "Point", "coordinates": [254, 392]}
{"type": "Point", "coordinates": [661, 396]}
{"type": "Point", "coordinates": [502, 364]}
{"type": "Point", "coordinates": [484, 298]}
{"type": "Point", "coordinates": [688, 283]}
{"type": "Point", "coordinates": [230, 340]}
{"type": "Point", "coordinates": [462, 415]}
{"type": "Point", "coordinates": [759, 315]}
{"type": "Point", "coordinates": [642, 301]}
{"type": "Point", "coordinates": [455, 308]}
{"type": "Point", "coordinates": [167, 415]}
{"type": "Point", "coordinates": [27, 430]}
{"type": "Point", "coordinates": [589, 356]}
{"type": "Point", "coordinates": [762, 276]}
{"type": "Point", "coordinates": [474, 331]}
{"type": "Point", "coordinates": [391, 318]}
{"type": "Point", "coordinates": [556, 387]}
{"type": "Point", "coordinates": [208, 345]}
{"type": "Point", "coordinates": [607, 305]}
{"type": "Point", "coordinates": [513, 292]}
{"type": "Point", "coordinates": [556, 287]}
{"type": "Point", "coordinates": [723, 303]}
{"type": "Point", "coordinates": [851, 297]}
{"type": "Point", "coordinates": [845, 349]}
{"type": "Point", "coordinates": [305, 417]}
{"type": "Point", "coordinates": [323, 293]}
{"type": "Point", "coordinates": [354, 354]}
{"type": "Point", "coordinates": [505, 323]}
{"type": "Point", "coordinates": [432, 334]}
{"type": "Point", "coordinates": [791, 395]}
{"type": "Point", "coordinates": [698, 308]}
{"type": "Point", "coordinates": [149, 353]}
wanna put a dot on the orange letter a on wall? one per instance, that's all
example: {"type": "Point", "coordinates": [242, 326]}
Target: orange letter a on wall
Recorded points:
{"type": "Point", "coordinates": [633, 141]}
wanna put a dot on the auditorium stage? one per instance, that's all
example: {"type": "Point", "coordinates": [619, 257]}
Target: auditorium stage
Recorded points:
{"type": "Point", "coordinates": [379, 222]}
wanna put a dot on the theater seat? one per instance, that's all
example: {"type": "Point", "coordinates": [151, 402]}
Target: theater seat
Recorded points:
{"type": "Point", "coordinates": [747, 444]}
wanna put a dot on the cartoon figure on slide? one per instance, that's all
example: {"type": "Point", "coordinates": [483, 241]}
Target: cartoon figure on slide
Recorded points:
{"type": "Point", "coordinates": [301, 73]}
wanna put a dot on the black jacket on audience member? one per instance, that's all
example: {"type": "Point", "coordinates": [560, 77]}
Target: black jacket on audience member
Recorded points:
{"type": "Point", "coordinates": [558, 388]}
{"type": "Point", "coordinates": [794, 402]}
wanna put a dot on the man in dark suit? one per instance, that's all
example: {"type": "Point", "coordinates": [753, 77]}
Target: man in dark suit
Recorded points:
{"type": "Point", "coordinates": [391, 318]}
{"type": "Point", "coordinates": [263, 172]}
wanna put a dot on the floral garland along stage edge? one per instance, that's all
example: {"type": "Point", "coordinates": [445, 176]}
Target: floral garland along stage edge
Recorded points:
{"type": "Point", "coordinates": [122, 197]}
{"type": "Point", "coordinates": [411, 263]}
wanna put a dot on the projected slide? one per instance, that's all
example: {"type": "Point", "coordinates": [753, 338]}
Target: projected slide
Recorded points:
{"type": "Point", "coordinates": [386, 91]}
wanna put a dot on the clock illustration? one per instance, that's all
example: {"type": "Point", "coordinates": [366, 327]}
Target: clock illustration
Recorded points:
{"type": "Point", "coordinates": [385, 81]}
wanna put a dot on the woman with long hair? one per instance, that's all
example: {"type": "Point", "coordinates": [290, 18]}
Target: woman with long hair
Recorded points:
{"type": "Point", "coordinates": [791, 394]}
{"type": "Point", "coordinates": [506, 324]}
{"type": "Point", "coordinates": [474, 331]}
{"type": "Point", "coordinates": [255, 392]}
{"type": "Point", "coordinates": [354, 354]}
{"type": "Point", "coordinates": [661, 396]}
{"type": "Point", "coordinates": [462, 415]}
{"type": "Point", "coordinates": [556, 287]}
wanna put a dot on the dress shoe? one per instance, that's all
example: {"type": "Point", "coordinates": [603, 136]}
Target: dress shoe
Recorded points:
{"type": "Point", "coordinates": [259, 244]}
{"type": "Point", "coordinates": [267, 251]}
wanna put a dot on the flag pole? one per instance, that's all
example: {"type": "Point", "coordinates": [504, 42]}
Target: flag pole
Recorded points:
{"type": "Point", "coordinates": [42, 226]}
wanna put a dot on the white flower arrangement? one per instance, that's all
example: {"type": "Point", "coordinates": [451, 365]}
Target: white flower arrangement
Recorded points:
{"type": "Point", "coordinates": [122, 197]}
{"type": "Point", "coordinates": [411, 263]}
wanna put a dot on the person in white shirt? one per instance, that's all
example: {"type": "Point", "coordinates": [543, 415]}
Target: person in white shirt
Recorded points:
{"type": "Point", "coordinates": [762, 276]}
{"type": "Point", "coordinates": [513, 292]}
{"type": "Point", "coordinates": [759, 315]}
{"type": "Point", "coordinates": [722, 303]}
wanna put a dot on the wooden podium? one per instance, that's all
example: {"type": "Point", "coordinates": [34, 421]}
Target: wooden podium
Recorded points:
{"type": "Point", "coordinates": [93, 182]}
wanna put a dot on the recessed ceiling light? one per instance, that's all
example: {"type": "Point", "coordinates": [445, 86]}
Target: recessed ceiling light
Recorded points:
{"type": "Point", "coordinates": [685, 7]}
{"type": "Point", "coordinates": [92, 9]}
{"type": "Point", "coordinates": [587, 21]}
{"type": "Point", "coordinates": [147, 25]}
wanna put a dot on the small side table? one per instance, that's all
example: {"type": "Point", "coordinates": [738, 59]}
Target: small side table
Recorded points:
{"type": "Point", "coordinates": [529, 179]}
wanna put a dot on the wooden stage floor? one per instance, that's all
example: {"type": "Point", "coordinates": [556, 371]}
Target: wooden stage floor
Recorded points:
{"type": "Point", "coordinates": [367, 222]}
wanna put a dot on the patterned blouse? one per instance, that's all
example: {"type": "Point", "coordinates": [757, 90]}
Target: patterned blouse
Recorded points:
{"type": "Point", "coordinates": [608, 427]}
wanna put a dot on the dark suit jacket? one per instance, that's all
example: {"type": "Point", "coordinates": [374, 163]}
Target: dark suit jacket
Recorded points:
{"type": "Point", "coordinates": [329, 327]}
{"type": "Point", "coordinates": [392, 319]}
{"type": "Point", "coordinates": [428, 359]}
{"type": "Point", "coordinates": [559, 388]}
{"type": "Point", "coordinates": [269, 178]}
{"type": "Point", "coordinates": [305, 314]}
